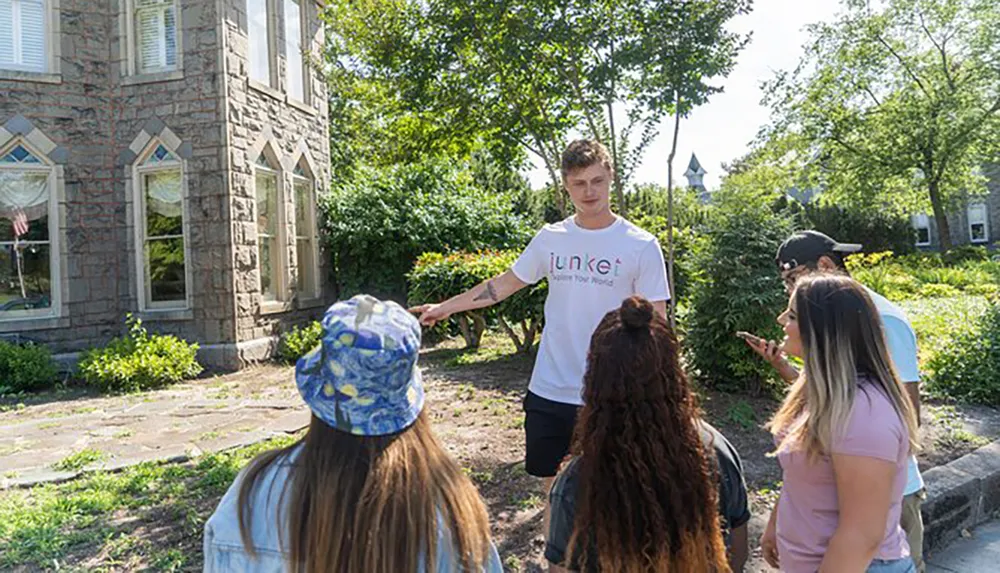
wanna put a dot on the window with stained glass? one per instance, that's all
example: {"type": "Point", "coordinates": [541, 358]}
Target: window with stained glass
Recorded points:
{"type": "Point", "coordinates": [27, 256]}
{"type": "Point", "coordinates": [164, 252]}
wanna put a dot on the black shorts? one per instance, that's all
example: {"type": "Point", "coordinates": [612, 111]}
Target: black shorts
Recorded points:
{"type": "Point", "coordinates": [548, 429]}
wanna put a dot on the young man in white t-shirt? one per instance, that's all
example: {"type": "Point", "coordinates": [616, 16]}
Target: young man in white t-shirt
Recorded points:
{"type": "Point", "coordinates": [593, 261]}
{"type": "Point", "coordinates": [811, 251]}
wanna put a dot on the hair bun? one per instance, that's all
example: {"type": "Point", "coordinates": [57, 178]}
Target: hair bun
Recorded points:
{"type": "Point", "coordinates": [636, 312]}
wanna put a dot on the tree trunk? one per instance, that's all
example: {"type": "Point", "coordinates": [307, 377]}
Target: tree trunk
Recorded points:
{"type": "Point", "coordinates": [619, 184]}
{"type": "Point", "coordinates": [940, 216]}
{"type": "Point", "coordinates": [671, 311]}
{"type": "Point", "coordinates": [472, 330]}
{"type": "Point", "coordinates": [530, 329]}
{"type": "Point", "coordinates": [512, 334]}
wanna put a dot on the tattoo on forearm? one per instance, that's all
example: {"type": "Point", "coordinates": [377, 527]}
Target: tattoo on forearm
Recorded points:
{"type": "Point", "coordinates": [488, 293]}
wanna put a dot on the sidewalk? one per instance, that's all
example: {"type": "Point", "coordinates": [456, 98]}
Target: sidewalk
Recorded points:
{"type": "Point", "coordinates": [174, 423]}
{"type": "Point", "coordinates": [978, 554]}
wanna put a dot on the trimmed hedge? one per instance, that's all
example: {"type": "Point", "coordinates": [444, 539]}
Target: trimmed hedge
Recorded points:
{"type": "Point", "coordinates": [437, 277]}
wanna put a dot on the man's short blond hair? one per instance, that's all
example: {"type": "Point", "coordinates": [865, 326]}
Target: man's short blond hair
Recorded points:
{"type": "Point", "coordinates": [583, 153]}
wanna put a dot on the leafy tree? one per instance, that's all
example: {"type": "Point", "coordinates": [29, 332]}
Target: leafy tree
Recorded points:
{"type": "Point", "coordinates": [896, 104]}
{"type": "Point", "coordinates": [379, 222]}
{"type": "Point", "coordinates": [372, 121]}
{"type": "Point", "coordinates": [531, 72]}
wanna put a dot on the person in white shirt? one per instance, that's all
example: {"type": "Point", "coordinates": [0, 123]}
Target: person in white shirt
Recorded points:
{"type": "Point", "coordinates": [593, 261]}
{"type": "Point", "coordinates": [810, 251]}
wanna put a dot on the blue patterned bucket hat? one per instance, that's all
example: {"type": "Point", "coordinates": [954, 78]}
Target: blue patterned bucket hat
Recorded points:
{"type": "Point", "coordinates": [363, 377]}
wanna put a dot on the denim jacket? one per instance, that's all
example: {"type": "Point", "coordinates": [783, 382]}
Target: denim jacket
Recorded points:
{"type": "Point", "coordinates": [224, 550]}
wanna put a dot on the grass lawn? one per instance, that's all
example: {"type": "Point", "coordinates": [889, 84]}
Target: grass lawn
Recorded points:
{"type": "Point", "coordinates": [151, 516]}
{"type": "Point", "coordinates": [147, 516]}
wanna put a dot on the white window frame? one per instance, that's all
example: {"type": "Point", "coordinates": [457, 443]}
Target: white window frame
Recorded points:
{"type": "Point", "coordinates": [312, 232]}
{"type": "Point", "coordinates": [271, 43]}
{"type": "Point", "coordinates": [139, 173]}
{"type": "Point", "coordinates": [279, 271]}
{"type": "Point", "coordinates": [55, 254]}
{"type": "Point", "coordinates": [53, 51]}
{"type": "Point", "coordinates": [304, 49]}
{"type": "Point", "coordinates": [922, 221]}
{"type": "Point", "coordinates": [985, 222]}
{"type": "Point", "coordinates": [132, 53]}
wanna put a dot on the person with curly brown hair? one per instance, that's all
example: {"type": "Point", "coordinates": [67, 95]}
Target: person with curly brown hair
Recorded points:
{"type": "Point", "coordinates": [648, 480]}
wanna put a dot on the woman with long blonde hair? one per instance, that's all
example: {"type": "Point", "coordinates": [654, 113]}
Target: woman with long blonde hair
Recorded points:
{"type": "Point", "coordinates": [368, 489]}
{"type": "Point", "coordinates": [843, 434]}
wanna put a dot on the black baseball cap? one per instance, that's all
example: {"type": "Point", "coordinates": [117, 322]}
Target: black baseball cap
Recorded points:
{"type": "Point", "coordinates": [805, 247]}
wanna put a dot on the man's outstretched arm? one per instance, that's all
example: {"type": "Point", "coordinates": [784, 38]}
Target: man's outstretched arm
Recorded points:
{"type": "Point", "coordinates": [482, 295]}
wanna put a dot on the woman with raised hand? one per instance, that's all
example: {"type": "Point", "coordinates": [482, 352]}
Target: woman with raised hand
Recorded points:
{"type": "Point", "coordinates": [647, 479]}
{"type": "Point", "coordinates": [368, 489]}
{"type": "Point", "coordinates": [843, 436]}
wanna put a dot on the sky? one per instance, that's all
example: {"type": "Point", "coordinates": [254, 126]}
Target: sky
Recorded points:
{"type": "Point", "coordinates": [722, 129]}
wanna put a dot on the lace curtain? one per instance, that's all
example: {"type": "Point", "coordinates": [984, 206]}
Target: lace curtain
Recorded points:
{"type": "Point", "coordinates": [23, 191]}
{"type": "Point", "coordinates": [163, 193]}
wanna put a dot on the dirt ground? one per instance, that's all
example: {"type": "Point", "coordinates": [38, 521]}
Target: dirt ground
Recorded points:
{"type": "Point", "coordinates": [475, 402]}
{"type": "Point", "coordinates": [475, 399]}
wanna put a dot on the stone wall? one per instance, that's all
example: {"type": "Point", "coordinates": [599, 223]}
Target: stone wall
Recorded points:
{"type": "Point", "coordinates": [961, 495]}
{"type": "Point", "coordinates": [264, 117]}
{"type": "Point", "coordinates": [98, 118]}
{"type": "Point", "coordinates": [189, 106]}
{"type": "Point", "coordinates": [74, 107]}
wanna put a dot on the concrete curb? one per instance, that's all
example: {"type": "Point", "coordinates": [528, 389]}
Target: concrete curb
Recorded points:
{"type": "Point", "coordinates": [961, 495]}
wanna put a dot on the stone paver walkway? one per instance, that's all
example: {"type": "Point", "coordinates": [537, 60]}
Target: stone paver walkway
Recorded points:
{"type": "Point", "coordinates": [977, 554]}
{"type": "Point", "coordinates": [170, 424]}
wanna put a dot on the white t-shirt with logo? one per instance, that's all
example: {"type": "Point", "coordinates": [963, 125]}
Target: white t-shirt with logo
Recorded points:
{"type": "Point", "coordinates": [590, 273]}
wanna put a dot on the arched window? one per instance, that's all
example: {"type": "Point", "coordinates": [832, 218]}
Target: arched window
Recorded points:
{"type": "Point", "coordinates": [28, 229]}
{"type": "Point", "coordinates": [306, 248]}
{"type": "Point", "coordinates": [161, 228]}
{"type": "Point", "coordinates": [270, 226]}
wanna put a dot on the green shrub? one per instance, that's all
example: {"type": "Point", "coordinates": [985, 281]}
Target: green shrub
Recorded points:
{"type": "Point", "coordinates": [923, 276]}
{"type": "Point", "coordinates": [298, 341]}
{"type": "Point", "coordinates": [436, 277]}
{"type": "Point", "coordinates": [381, 221]}
{"type": "Point", "coordinates": [964, 253]}
{"type": "Point", "coordinates": [139, 361]}
{"type": "Point", "coordinates": [984, 290]}
{"type": "Point", "coordinates": [968, 367]}
{"type": "Point", "coordinates": [878, 230]}
{"type": "Point", "coordinates": [937, 321]}
{"type": "Point", "coordinates": [25, 367]}
{"type": "Point", "coordinates": [937, 290]}
{"type": "Point", "coordinates": [738, 288]}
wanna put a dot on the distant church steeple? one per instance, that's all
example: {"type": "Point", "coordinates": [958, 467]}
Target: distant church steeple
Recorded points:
{"type": "Point", "coordinates": [696, 178]}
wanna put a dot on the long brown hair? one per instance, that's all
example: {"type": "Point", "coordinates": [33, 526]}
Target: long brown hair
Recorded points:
{"type": "Point", "coordinates": [842, 337]}
{"type": "Point", "coordinates": [647, 496]}
{"type": "Point", "coordinates": [370, 504]}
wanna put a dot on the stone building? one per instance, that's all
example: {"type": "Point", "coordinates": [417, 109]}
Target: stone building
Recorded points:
{"type": "Point", "coordinates": [161, 158]}
{"type": "Point", "coordinates": [977, 222]}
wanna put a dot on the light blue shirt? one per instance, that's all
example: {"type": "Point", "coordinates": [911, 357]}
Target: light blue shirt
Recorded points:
{"type": "Point", "coordinates": [902, 343]}
{"type": "Point", "coordinates": [224, 551]}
